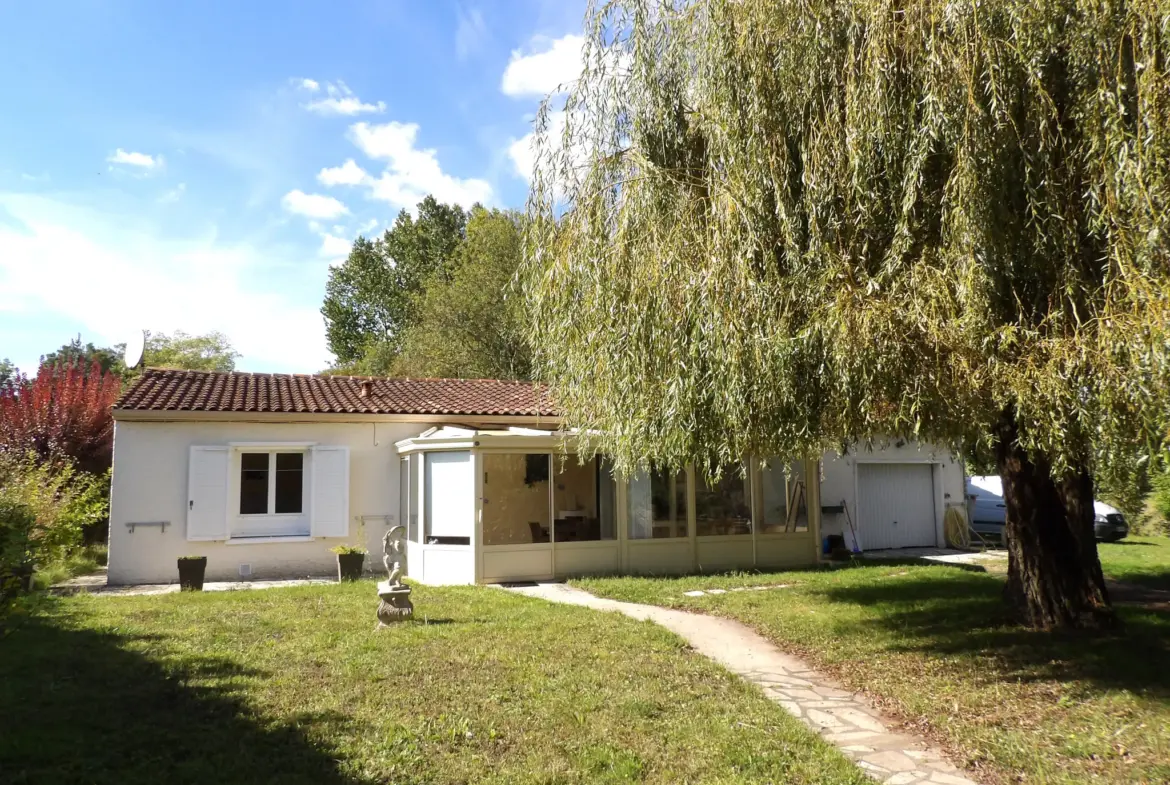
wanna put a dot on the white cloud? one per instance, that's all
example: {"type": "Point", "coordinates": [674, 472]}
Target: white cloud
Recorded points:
{"type": "Point", "coordinates": [544, 72]}
{"type": "Point", "coordinates": [173, 195]}
{"type": "Point", "coordinates": [112, 276]}
{"type": "Point", "coordinates": [349, 173]}
{"type": "Point", "coordinates": [141, 160]}
{"type": "Point", "coordinates": [310, 84]}
{"type": "Point", "coordinates": [471, 33]}
{"type": "Point", "coordinates": [369, 226]}
{"type": "Point", "coordinates": [522, 152]}
{"type": "Point", "coordinates": [412, 173]}
{"type": "Point", "coordinates": [313, 205]}
{"type": "Point", "coordinates": [339, 100]}
{"type": "Point", "coordinates": [334, 247]}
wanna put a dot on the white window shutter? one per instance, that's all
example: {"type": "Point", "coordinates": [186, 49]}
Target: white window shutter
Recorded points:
{"type": "Point", "coordinates": [207, 493]}
{"type": "Point", "coordinates": [329, 498]}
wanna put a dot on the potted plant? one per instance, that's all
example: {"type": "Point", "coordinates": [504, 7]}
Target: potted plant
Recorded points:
{"type": "Point", "coordinates": [349, 562]}
{"type": "Point", "coordinates": [191, 570]}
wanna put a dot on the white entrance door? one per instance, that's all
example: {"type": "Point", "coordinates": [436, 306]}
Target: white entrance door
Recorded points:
{"type": "Point", "coordinates": [895, 505]}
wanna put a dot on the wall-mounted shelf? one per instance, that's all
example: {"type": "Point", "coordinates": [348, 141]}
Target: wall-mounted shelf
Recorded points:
{"type": "Point", "coordinates": [132, 525]}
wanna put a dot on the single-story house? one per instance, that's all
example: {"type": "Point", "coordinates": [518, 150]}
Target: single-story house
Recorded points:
{"type": "Point", "coordinates": [264, 473]}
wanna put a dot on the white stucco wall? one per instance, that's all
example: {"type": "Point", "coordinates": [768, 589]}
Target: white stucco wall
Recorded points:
{"type": "Point", "coordinates": [150, 484]}
{"type": "Point", "coordinates": [839, 480]}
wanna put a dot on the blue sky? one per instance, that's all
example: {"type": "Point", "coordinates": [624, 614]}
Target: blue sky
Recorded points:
{"type": "Point", "coordinates": [199, 166]}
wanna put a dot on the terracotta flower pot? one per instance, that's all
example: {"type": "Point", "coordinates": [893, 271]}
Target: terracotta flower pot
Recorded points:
{"type": "Point", "coordinates": [349, 566]}
{"type": "Point", "coordinates": [191, 573]}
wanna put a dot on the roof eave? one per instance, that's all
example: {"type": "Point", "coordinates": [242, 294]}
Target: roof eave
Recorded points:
{"type": "Point", "coordinates": [171, 415]}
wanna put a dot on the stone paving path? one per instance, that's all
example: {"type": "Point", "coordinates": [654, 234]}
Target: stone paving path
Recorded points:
{"type": "Point", "coordinates": [96, 584]}
{"type": "Point", "coordinates": [841, 717]}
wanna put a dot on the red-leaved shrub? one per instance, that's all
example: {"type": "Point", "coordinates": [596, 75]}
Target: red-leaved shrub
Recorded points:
{"type": "Point", "coordinates": [62, 413]}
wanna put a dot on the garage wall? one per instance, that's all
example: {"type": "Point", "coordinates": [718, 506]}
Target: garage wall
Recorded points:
{"type": "Point", "coordinates": [150, 484]}
{"type": "Point", "coordinates": [839, 481]}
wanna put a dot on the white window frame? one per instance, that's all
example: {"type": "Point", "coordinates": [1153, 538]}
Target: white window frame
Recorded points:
{"type": "Point", "coordinates": [270, 524]}
{"type": "Point", "coordinates": [270, 509]}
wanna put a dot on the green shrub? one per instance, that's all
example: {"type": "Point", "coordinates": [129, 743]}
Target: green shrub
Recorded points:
{"type": "Point", "coordinates": [43, 508]}
{"type": "Point", "coordinates": [1155, 517]}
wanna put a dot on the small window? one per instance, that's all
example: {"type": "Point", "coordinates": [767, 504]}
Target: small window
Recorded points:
{"type": "Point", "coordinates": [254, 483]}
{"type": "Point", "coordinates": [290, 470]}
{"type": "Point", "coordinates": [272, 483]}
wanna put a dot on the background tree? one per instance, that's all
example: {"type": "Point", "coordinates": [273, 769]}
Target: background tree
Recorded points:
{"type": "Point", "coordinates": [370, 299]}
{"type": "Point", "coordinates": [7, 371]}
{"type": "Point", "coordinates": [208, 352]}
{"type": "Point", "coordinates": [770, 227]}
{"type": "Point", "coordinates": [108, 358]}
{"type": "Point", "coordinates": [470, 321]}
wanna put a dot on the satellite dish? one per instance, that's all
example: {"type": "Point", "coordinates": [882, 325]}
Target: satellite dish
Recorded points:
{"type": "Point", "coordinates": [134, 350]}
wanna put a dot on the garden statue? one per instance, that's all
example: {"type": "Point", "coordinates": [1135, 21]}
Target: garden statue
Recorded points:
{"type": "Point", "coordinates": [395, 602]}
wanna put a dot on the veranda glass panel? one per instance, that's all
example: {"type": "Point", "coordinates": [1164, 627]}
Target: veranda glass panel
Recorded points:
{"type": "Point", "coordinates": [785, 498]}
{"type": "Point", "coordinates": [724, 507]}
{"type": "Point", "coordinates": [578, 494]}
{"type": "Point", "coordinates": [607, 498]}
{"type": "Point", "coordinates": [658, 505]}
{"type": "Point", "coordinates": [415, 474]}
{"type": "Point", "coordinates": [516, 498]}
{"type": "Point", "coordinates": [404, 500]}
{"type": "Point", "coordinates": [450, 498]}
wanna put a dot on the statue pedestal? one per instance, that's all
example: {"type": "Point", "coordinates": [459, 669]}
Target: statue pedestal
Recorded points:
{"type": "Point", "coordinates": [395, 603]}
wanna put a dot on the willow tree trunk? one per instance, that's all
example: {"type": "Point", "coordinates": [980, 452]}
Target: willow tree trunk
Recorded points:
{"type": "Point", "coordinates": [1054, 575]}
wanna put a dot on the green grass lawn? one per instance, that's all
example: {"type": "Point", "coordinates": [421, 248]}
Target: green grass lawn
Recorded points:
{"type": "Point", "coordinates": [933, 645]}
{"type": "Point", "coordinates": [1144, 561]}
{"type": "Point", "coordinates": [296, 686]}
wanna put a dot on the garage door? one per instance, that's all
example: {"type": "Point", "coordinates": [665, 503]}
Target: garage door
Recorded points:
{"type": "Point", "coordinates": [895, 505]}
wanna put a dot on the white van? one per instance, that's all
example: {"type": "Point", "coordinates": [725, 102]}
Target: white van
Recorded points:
{"type": "Point", "coordinates": [989, 512]}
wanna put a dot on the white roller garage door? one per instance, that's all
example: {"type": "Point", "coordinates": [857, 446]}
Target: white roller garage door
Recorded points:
{"type": "Point", "coordinates": [895, 505]}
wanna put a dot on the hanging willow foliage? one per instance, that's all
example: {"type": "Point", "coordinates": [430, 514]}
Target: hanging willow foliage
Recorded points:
{"type": "Point", "coordinates": [774, 226]}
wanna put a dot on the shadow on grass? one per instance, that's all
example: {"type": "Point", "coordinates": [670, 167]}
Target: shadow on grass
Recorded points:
{"type": "Point", "coordinates": [79, 706]}
{"type": "Point", "coordinates": [964, 615]}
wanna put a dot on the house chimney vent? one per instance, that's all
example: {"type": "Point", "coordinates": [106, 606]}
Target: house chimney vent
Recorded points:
{"type": "Point", "coordinates": [367, 386]}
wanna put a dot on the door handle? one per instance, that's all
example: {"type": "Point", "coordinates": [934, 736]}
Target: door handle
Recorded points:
{"type": "Point", "coordinates": [191, 504]}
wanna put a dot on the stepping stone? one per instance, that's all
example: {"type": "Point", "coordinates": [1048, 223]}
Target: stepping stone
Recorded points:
{"type": "Point", "coordinates": [695, 593]}
{"type": "Point", "coordinates": [848, 736]}
{"type": "Point", "coordinates": [904, 778]}
{"type": "Point", "coordinates": [820, 718]}
{"type": "Point", "coordinates": [892, 760]}
{"type": "Point", "coordinates": [717, 591]}
{"type": "Point", "coordinates": [859, 719]}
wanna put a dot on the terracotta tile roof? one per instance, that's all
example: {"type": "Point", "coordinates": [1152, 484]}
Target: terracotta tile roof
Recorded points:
{"type": "Point", "coordinates": [214, 391]}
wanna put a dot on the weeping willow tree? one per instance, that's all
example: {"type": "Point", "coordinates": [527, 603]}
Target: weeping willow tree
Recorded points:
{"type": "Point", "coordinates": [774, 227]}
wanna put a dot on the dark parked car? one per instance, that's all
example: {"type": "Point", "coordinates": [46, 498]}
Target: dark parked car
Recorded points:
{"type": "Point", "coordinates": [989, 512]}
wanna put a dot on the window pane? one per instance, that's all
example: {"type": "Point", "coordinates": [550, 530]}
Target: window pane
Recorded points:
{"type": "Point", "coordinates": [515, 498]}
{"type": "Point", "coordinates": [578, 491]}
{"type": "Point", "coordinates": [254, 483]}
{"type": "Point", "coordinates": [404, 499]}
{"type": "Point", "coordinates": [784, 488]}
{"type": "Point", "coordinates": [658, 505]}
{"type": "Point", "coordinates": [606, 499]}
{"type": "Point", "coordinates": [450, 498]}
{"type": "Point", "coordinates": [289, 482]}
{"type": "Point", "coordinates": [726, 506]}
{"type": "Point", "coordinates": [415, 465]}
